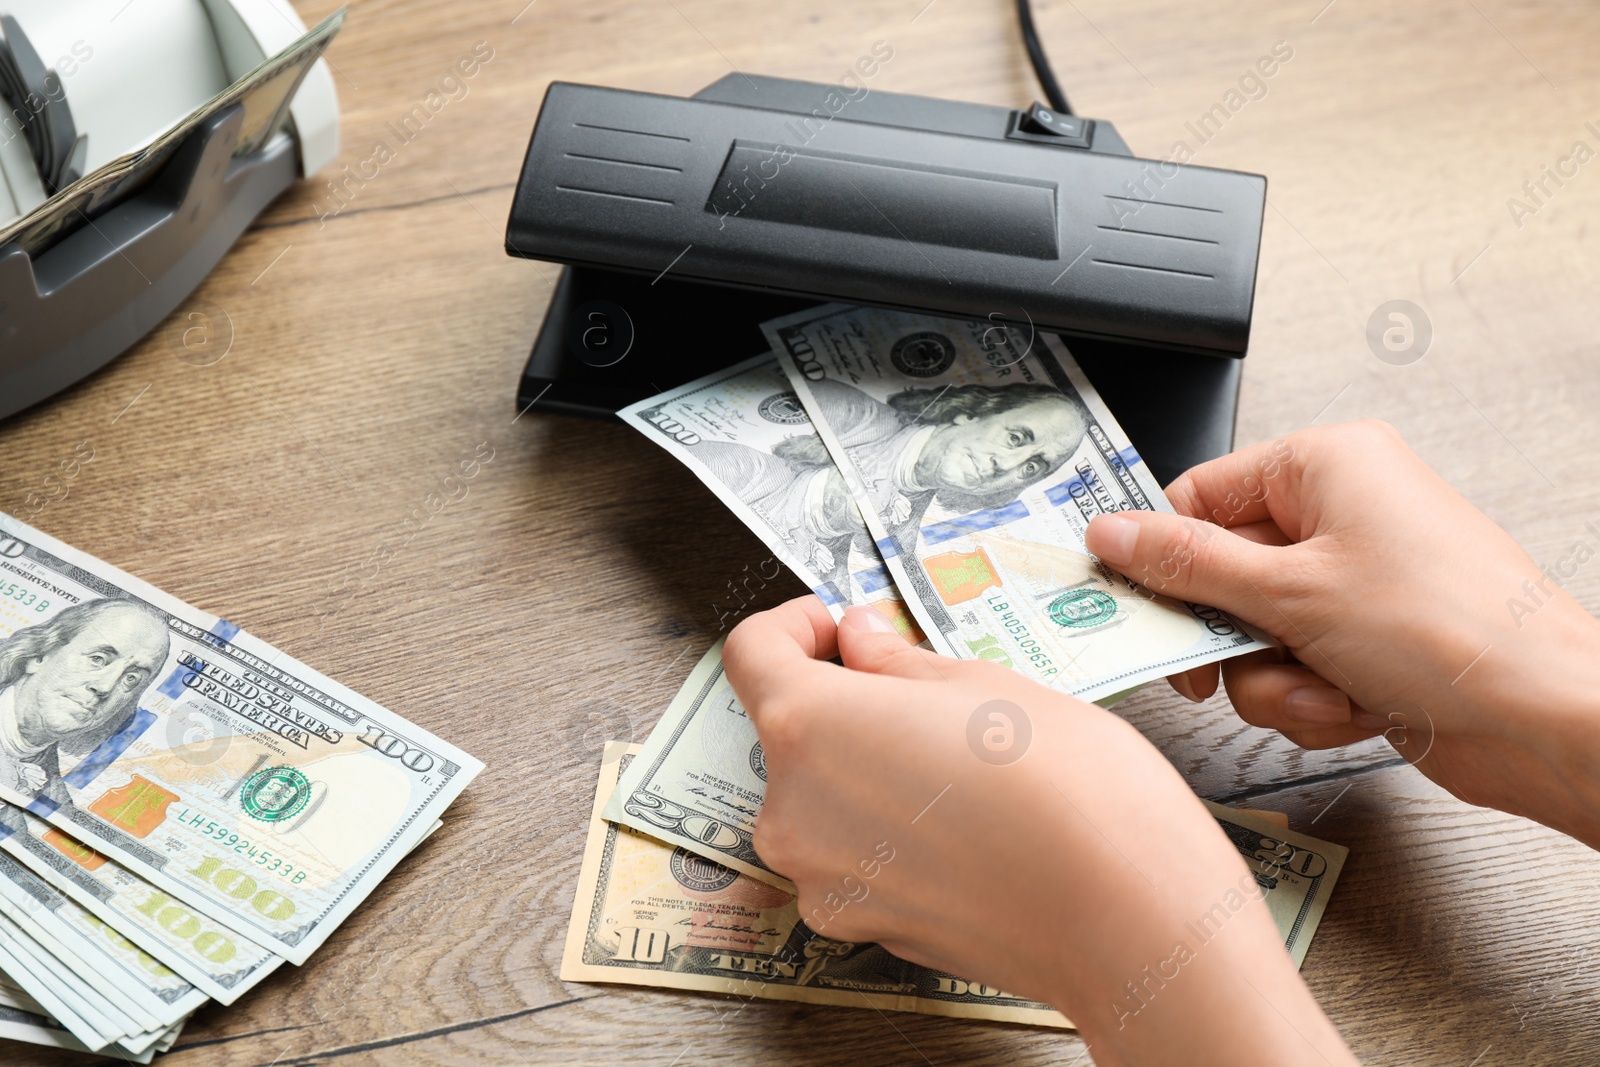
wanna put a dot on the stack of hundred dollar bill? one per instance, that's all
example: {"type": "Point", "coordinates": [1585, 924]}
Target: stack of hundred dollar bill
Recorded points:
{"type": "Point", "coordinates": [941, 472]}
{"type": "Point", "coordinates": [183, 808]}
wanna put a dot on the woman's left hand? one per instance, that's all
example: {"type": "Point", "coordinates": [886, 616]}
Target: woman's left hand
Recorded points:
{"type": "Point", "coordinates": [975, 822]}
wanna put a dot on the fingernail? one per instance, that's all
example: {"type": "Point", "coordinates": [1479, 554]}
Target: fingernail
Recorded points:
{"type": "Point", "coordinates": [1318, 704]}
{"type": "Point", "coordinates": [1113, 538]}
{"type": "Point", "coordinates": [868, 619]}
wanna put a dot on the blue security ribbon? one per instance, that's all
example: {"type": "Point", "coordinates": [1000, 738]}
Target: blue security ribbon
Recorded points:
{"type": "Point", "coordinates": [174, 685]}
{"type": "Point", "coordinates": [107, 751]}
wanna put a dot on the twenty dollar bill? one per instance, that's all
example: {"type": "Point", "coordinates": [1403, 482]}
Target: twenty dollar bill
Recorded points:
{"type": "Point", "coordinates": [700, 778]}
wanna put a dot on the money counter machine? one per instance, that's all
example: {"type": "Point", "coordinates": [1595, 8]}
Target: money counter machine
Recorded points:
{"type": "Point", "coordinates": [683, 223]}
{"type": "Point", "coordinates": [137, 142]}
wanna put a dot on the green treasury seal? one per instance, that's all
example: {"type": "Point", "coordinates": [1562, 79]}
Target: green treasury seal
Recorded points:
{"type": "Point", "coordinates": [273, 794]}
{"type": "Point", "coordinates": [1079, 609]}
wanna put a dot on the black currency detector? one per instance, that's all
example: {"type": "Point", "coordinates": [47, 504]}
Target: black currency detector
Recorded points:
{"type": "Point", "coordinates": [683, 223]}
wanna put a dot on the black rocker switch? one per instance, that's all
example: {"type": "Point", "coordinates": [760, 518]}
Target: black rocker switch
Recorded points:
{"type": "Point", "coordinates": [1041, 124]}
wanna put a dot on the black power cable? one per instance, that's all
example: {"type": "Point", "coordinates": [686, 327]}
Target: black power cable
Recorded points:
{"type": "Point", "coordinates": [1041, 65]}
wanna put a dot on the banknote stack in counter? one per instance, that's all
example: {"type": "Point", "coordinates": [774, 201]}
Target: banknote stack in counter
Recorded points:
{"type": "Point", "coordinates": [183, 808]}
{"type": "Point", "coordinates": [941, 472]}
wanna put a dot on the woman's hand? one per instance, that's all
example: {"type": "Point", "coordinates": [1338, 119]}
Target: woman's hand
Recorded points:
{"type": "Point", "coordinates": [975, 822]}
{"type": "Point", "coordinates": [1406, 612]}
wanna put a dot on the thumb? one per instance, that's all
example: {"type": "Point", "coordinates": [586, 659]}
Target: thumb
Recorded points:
{"type": "Point", "coordinates": [869, 642]}
{"type": "Point", "coordinates": [1187, 559]}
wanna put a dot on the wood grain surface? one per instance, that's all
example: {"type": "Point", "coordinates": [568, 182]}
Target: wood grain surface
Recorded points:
{"type": "Point", "coordinates": [375, 337]}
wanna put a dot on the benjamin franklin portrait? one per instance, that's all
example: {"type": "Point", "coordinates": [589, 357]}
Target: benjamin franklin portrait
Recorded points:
{"type": "Point", "coordinates": [968, 447]}
{"type": "Point", "coordinates": [69, 683]}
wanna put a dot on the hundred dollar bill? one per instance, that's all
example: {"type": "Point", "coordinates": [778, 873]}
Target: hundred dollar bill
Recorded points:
{"type": "Point", "coordinates": [38, 1027]}
{"type": "Point", "coordinates": [242, 783]}
{"type": "Point", "coordinates": [95, 1013]}
{"type": "Point", "coordinates": [87, 1016]}
{"type": "Point", "coordinates": [147, 1042]}
{"type": "Point", "coordinates": [160, 1041]}
{"type": "Point", "coordinates": [95, 982]}
{"type": "Point", "coordinates": [13, 996]}
{"type": "Point", "coordinates": [169, 1037]}
{"type": "Point", "coordinates": [136, 915]}
{"type": "Point", "coordinates": [24, 1019]}
{"type": "Point", "coordinates": [650, 914]}
{"type": "Point", "coordinates": [151, 993]}
{"type": "Point", "coordinates": [978, 457]}
{"type": "Point", "coordinates": [743, 433]}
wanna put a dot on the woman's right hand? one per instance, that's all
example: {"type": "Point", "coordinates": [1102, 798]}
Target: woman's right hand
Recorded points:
{"type": "Point", "coordinates": [1404, 611]}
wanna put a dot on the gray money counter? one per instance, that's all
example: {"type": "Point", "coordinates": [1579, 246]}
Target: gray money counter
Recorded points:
{"type": "Point", "coordinates": [88, 266]}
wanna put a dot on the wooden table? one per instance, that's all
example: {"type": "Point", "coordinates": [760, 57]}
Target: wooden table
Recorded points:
{"type": "Point", "coordinates": [377, 336]}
